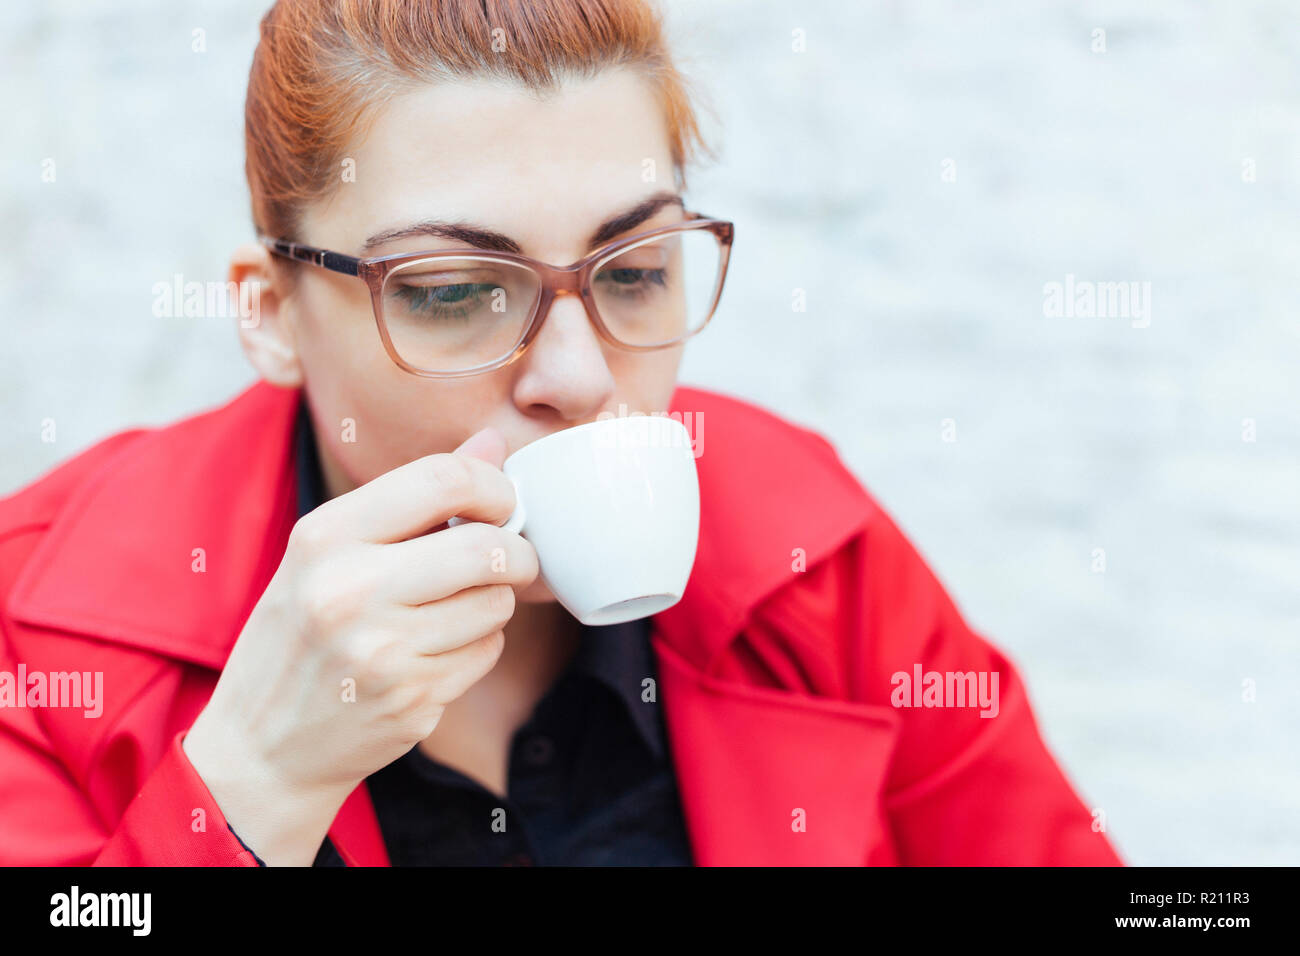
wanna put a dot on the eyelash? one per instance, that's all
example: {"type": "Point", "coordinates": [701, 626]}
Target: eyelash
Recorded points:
{"type": "Point", "coordinates": [419, 298]}
{"type": "Point", "coordinates": [657, 276]}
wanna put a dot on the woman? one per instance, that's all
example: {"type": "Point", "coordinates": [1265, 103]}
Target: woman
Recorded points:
{"type": "Point", "coordinates": [304, 663]}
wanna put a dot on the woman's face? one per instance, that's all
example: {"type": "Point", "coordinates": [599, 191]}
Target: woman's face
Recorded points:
{"type": "Point", "coordinates": [547, 173]}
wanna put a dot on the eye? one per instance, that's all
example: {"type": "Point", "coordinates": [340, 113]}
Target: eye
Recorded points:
{"type": "Point", "coordinates": [625, 279]}
{"type": "Point", "coordinates": [448, 301]}
{"type": "Point", "coordinates": [442, 293]}
{"type": "Point", "coordinates": [630, 276]}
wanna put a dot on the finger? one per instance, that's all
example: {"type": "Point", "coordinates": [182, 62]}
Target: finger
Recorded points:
{"type": "Point", "coordinates": [453, 672]}
{"type": "Point", "coordinates": [453, 622]}
{"type": "Point", "coordinates": [434, 566]}
{"type": "Point", "coordinates": [417, 496]}
{"type": "Point", "coordinates": [486, 444]}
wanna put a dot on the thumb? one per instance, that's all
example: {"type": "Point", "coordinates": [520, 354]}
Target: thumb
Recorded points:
{"type": "Point", "coordinates": [486, 444]}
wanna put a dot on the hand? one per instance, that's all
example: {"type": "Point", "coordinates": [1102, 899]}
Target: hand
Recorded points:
{"type": "Point", "coordinates": [371, 625]}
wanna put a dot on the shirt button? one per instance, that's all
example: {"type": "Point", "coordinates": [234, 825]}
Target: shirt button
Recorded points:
{"type": "Point", "coordinates": [539, 750]}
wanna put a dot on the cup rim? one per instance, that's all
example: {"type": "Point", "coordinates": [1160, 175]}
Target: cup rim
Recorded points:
{"type": "Point", "coordinates": [589, 426]}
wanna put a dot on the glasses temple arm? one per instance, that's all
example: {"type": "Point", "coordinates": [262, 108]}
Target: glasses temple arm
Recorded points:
{"type": "Point", "coordinates": [334, 261]}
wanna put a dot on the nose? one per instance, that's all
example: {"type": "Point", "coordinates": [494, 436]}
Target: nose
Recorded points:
{"type": "Point", "coordinates": [564, 372]}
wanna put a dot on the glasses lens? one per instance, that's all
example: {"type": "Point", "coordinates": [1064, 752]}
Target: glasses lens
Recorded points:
{"type": "Point", "coordinates": [450, 315]}
{"type": "Point", "coordinates": [660, 290]}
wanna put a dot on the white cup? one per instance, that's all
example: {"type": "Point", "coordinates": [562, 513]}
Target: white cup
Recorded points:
{"type": "Point", "coordinates": [613, 509]}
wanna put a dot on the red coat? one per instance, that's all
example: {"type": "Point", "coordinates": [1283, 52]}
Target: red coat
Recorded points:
{"type": "Point", "coordinates": [776, 681]}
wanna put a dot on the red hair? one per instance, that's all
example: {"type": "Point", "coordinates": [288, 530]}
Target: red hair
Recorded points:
{"type": "Point", "coordinates": [323, 67]}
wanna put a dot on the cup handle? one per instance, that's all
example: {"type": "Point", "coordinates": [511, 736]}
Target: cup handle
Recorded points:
{"type": "Point", "coordinates": [515, 523]}
{"type": "Point", "coordinates": [516, 520]}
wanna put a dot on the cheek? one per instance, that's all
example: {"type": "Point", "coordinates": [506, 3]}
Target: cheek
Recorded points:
{"type": "Point", "coordinates": [336, 331]}
{"type": "Point", "coordinates": [354, 387]}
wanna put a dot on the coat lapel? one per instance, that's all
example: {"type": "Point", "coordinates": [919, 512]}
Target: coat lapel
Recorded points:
{"type": "Point", "coordinates": [767, 775]}
{"type": "Point", "coordinates": [170, 545]}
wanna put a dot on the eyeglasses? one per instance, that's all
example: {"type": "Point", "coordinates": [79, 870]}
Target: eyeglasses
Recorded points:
{"type": "Point", "coordinates": [451, 313]}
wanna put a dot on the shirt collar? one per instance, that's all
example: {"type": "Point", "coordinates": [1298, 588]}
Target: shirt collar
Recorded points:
{"type": "Point", "coordinates": [620, 656]}
{"type": "Point", "coordinates": [617, 655]}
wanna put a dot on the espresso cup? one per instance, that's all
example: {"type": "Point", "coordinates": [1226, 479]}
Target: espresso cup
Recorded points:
{"type": "Point", "coordinates": [612, 508]}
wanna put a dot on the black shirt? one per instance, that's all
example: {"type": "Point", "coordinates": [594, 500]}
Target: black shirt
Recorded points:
{"type": "Point", "coordinates": [590, 780]}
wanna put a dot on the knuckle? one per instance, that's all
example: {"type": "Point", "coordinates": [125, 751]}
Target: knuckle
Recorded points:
{"type": "Point", "coordinates": [353, 659]}
{"type": "Point", "coordinates": [450, 476]}
{"type": "Point", "coordinates": [308, 536]}
{"type": "Point", "coordinates": [529, 566]}
{"type": "Point", "coordinates": [474, 537]}
{"type": "Point", "coordinates": [419, 720]}
{"type": "Point", "coordinates": [383, 664]}
{"type": "Point", "coordinates": [488, 547]}
{"type": "Point", "coordinates": [372, 663]}
{"type": "Point", "coordinates": [485, 652]}
{"type": "Point", "coordinates": [499, 602]}
{"type": "Point", "coordinates": [329, 599]}
{"type": "Point", "coordinates": [493, 645]}
{"type": "Point", "coordinates": [409, 699]}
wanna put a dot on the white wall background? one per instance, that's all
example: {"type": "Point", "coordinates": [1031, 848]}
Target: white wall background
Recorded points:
{"type": "Point", "coordinates": [924, 303]}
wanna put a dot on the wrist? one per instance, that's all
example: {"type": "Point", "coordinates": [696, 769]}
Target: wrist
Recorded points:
{"type": "Point", "coordinates": [281, 823]}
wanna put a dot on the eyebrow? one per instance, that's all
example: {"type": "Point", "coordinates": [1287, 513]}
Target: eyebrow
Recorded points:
{"type": "Point", "coordinates": [484, 238]}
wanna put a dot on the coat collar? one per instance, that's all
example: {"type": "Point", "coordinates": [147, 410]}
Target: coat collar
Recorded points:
{"type": "Point", "coordinates": [169, 543]}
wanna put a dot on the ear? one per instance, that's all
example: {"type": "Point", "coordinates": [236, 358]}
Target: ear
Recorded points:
{"type": "Point", "coordinates": [266, 327]}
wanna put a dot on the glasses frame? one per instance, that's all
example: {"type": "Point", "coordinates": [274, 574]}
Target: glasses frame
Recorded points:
{"type": "Point", "coordinates": [574, 279]}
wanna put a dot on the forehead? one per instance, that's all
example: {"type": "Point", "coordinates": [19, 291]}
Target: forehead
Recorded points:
{"type": "Point", "coordinates": [544, 169]}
